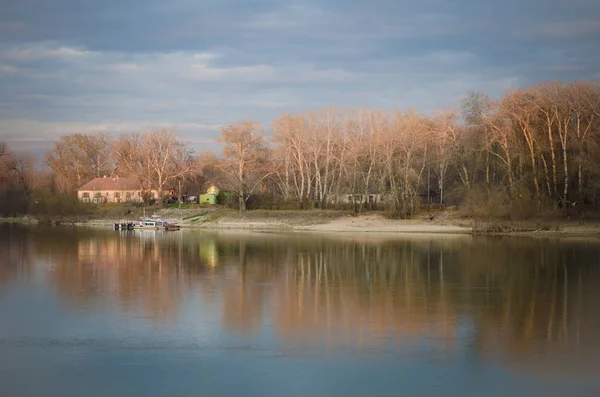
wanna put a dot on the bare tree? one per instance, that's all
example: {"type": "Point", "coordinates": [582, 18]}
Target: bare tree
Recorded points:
{"type": "Point", "coordinates": [290, 136]}
{"type": "Point", "coordinates": [15, 181]}
{"type": "Point", "coordinates": [80, 157]}
{"type": "Point", "coordinates": [520, 107]}
{"type": "Point", "coordinates": [403, 150]}
{"type": "Point", "coordinates": [365, 143]}
{"type": "Point", "coordinates": [131, 161]}
{"type": "Point", "coordinates": [167, 158]}
{"type": "Point", "coordinates": [586, 112]}
{"type": "Point", "coordinates": [502, 135]}
{"type": "Point", "coordinates": [156, 158]}
{"type": "Point", "coordinates": [97, 150]}
{"type": "Point", "coordinates": [445, 138]}
{"type": "Point", "coordinates": [3, 149]}
{"type": "Point", "coordinates": [245, 159]}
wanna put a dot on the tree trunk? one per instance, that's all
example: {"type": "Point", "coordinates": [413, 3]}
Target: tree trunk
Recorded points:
{"type": "Point", "coordinates": [580, 181]}
{"type": "Point", "coordinates": [536, 183]}
{"type": "Point", "coordinates": [547, 175]}
{"type": "Point", "coordinates": [510, 173]}
{"type": "Point", "coordinates": [566, 170]}
{"type": "Point", "coordinates": [242, 201]}
{"type": "Point", "coordinates": [441, 182]}
{"type": "Point", "coordinates": [564, 131]}
{"type": "Point", "coordinates": [428, 188]}
{"type": "Point", "coordinates": [553, 157]}
{"type": "Point", "coordinates": [487, 174]}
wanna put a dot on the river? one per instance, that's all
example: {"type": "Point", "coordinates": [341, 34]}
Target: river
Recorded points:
{"type": "Point", "coordinates": [92, 312]}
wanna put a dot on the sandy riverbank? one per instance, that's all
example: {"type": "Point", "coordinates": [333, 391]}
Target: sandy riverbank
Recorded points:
{"type": "Point", "coordinates": [338, 221]}
{"type": "Point", "coordinates": [341, 222]}
{"type": "Point", "coordinates": [361, 224]}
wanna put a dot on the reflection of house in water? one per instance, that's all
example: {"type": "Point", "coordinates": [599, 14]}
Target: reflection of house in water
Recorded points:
{"type": "Point", "coordinates": [129, 267]}
{"type": "Point", "coordinates": [208, 253]}
{"type": "Point", "coordinates": [103, 251]}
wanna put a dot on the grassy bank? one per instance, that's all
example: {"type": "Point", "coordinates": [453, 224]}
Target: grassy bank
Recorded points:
{"type": "Point", "coordinates": [440, 221]}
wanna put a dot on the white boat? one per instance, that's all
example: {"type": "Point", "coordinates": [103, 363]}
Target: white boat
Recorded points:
{"type": "Point", "coordinates": [150, 224]}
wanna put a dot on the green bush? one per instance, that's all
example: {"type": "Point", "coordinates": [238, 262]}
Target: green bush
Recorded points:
{"type": "Point", "coordinates": [13, 202]}
{"type": "Point", "coordinates": [45, 204]}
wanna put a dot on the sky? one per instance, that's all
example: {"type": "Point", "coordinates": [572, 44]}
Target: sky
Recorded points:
{"type": "Point", "coordinates": [88, 66]}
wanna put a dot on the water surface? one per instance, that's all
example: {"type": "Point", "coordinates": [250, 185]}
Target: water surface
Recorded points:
{"type": "Point", "coordinates": [100, 313]}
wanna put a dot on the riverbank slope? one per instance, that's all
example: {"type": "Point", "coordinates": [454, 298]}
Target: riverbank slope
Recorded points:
{"type": "Point", "coordinates": [448, 221]}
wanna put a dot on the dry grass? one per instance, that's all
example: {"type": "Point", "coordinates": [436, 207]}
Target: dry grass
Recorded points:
{"type": "Point", "coordinates": [277, 217]}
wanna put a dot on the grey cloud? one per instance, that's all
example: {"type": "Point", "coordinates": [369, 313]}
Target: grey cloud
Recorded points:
{"type": "Point", "coordinates": [71, 65]}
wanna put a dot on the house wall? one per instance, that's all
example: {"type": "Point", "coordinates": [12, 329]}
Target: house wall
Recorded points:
{"type": "Point", "coordinates": [208, 199]}
{"type": "Point", "coordinates": [112, 196]}
{"type": "Point", "coordinates": [356, 198]}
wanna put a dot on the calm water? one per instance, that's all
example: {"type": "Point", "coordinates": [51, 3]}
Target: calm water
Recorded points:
{"type": "Point", "coordinates": [102, 313]}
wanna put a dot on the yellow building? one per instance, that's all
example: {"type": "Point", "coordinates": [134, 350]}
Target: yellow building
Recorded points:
{"type": "Point", "coordinates": [210, 197]}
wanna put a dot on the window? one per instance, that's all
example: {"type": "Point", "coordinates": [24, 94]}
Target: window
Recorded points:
{"type": "Point", "coordinates": [86, 195]}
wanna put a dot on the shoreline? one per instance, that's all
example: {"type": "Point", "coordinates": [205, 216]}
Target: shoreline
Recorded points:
{"type": "Point", "coordinates": [338, 222]}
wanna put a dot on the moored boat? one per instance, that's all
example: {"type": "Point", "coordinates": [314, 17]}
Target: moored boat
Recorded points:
{"type": "Point", "coordinates": [150, 224]}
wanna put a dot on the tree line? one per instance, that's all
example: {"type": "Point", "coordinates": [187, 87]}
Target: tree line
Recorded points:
{"type": "Point", "coordinates": [534, 149]}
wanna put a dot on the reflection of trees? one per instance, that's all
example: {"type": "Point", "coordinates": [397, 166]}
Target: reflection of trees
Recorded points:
{"type": "Point", "coordinates": [363, 293]}
{"type": "Point", "coordinates": [520, 299]}
{"type": "Point", "coordinates": [246, 290]}
{"type": "Point", "coordinates": [16, 248]}
{"type": "Point", "coordinates": [143, 271]}
{"type": "Point", "coordinates": [540, 299]}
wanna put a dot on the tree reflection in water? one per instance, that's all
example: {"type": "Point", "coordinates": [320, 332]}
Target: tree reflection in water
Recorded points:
{"type": "Point", "coordinates": [529, 302]}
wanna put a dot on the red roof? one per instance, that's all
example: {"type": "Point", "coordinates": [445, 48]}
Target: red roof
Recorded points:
{"type": "Point", "coordinates": [112, 184]}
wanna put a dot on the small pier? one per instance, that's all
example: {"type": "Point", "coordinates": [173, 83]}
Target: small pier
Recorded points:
{"type": "Point", "coordinates": [124, 226]}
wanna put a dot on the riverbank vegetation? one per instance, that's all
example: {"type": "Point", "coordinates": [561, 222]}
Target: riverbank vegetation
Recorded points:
{"type": "Point", "coordinates": [531, 153]}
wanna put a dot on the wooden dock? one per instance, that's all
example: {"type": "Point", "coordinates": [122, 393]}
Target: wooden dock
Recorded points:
{"type": "Point", "coordinates": [124, 226]}
{"type": "Point", "coordinates": [127, 226]}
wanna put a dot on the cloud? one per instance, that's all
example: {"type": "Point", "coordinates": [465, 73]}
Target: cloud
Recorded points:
{"type": "Point", "coordinates": [16, 130]}
{"type": "Point", "coordinates": [116, 86]}
{"type": "Point", "coordinates": [37, 52]}
{"type": "Point", "coordinates": [562, 68]}
{"type": "Point", "coordinates": [121, 66]}
{"type": "Point", "coordinates": [568, 29]}
{"type": "Point", "coordinates": [8, 69]}
{"type": "Point", "coordinates": [23, 135]}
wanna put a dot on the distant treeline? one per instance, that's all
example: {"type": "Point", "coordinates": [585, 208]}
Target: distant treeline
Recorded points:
{"type": "Point", "coordinates": [533, 150]}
